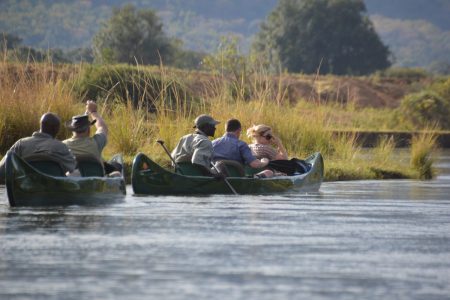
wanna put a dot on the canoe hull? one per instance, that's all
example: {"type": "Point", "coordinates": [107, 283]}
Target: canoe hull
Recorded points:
{"type": "Point", "coordinates": [28, 187]}
{"type": "Point", "coordinates": [151, 179]}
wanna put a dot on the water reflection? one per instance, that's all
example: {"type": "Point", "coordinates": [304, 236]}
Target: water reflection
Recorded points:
{"type": "Point", "coordinates": [353, 240]}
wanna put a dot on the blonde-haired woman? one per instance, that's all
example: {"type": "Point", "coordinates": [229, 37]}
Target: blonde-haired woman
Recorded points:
{"type": "Point", "coordinates": [266, 145]}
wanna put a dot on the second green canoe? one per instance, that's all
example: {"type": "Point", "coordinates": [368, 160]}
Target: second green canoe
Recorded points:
{"type": "Point", "coordinates": [150, 178]}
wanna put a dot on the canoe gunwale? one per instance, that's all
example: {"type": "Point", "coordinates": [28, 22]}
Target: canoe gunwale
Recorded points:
{"type": "Point", "coordinates": [156, 180]}
{"type": "Point", "coordinates": [27, 186]}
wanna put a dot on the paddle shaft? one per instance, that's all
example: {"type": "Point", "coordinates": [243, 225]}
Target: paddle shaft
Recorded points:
{"type": "Point", "coordinates": [226, 181]}
{"type": "Point", "coordinates": [168, 153]}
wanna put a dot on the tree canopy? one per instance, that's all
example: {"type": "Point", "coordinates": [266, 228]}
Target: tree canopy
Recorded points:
{"type": "Point", "coordinates": [9, 41]}
{"type": "Point", "coordinates": [132, 35]}
{"type": "Point", "coordinates": [335, 35]}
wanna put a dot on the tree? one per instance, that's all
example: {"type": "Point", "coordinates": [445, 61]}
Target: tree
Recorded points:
{"type": "Point", "coordinates": [132, 35]}
{"type": "Point", "coordinates": [337, 35]}
{"type": "Point", "coordinates": [9, 41]}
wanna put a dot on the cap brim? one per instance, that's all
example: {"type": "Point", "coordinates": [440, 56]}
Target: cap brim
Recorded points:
{"type": "Point", "coordinates": [212, 123]}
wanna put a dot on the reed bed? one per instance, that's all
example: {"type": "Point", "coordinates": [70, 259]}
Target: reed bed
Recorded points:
{"type": "Point", "coordinates": [422, 148]}
{"type": "Point", "coordinates": [303, 127]}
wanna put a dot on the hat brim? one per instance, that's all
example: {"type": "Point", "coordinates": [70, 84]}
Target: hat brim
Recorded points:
{"type": "Point", "coordinates": [69, 126]}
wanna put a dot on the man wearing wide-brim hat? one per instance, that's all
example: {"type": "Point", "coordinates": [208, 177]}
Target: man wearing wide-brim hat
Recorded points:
{"type": "Point", "coordinates": [81, 143]}
{"type": "Point", "coordinates": [196, 147]}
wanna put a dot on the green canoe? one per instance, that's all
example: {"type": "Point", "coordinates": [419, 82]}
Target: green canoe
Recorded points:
{"type": "Point", "coordinates": [26, 186]}
{"type": "Point", "coordinates": [149, 178]}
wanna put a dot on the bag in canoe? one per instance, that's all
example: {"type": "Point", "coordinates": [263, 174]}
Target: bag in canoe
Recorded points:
{"type": "Point", "coordinates": [290, 167]}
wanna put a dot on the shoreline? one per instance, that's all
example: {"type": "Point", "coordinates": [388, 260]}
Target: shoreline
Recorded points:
{"type": "Point", "coordinates": [402, 139]}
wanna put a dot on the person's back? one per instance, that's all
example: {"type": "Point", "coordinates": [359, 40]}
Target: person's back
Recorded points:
{"type": "Point", "coordinates": [43, 142]}
{"type": "Point", "coordinates": [196, 147]}
{"type": "Point", "coordinates": [229, 147]}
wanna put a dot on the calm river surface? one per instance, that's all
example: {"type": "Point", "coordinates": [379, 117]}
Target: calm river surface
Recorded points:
{"type": "Point", "coordinates": [353, 240]}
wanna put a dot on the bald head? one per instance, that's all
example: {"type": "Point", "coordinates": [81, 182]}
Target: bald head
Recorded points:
{"type": "Point", "coordinates": [50, 124]}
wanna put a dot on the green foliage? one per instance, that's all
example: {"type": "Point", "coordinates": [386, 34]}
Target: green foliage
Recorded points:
{"type": "Point", "coordinates": [127, 83]}
{"type": "Point", "coordinates": [425, 108]}
{"type": "Point", "coordinates": [9, 41]}
{"type": "Point", "coordinates": [333, 35]}
{"type": "Point", "coordinates": [408, 74]}
{"type": "Point", "coordinates": [229, 62]}
{"type": "Point", "coordinates": [186, 59]}
{"type": "Point", "coordinates": [80, 55]}
{"type": "Point", "coordinates": [442, 88]}
{"type": "Point", "coordinates": [26, 54]}
{"type": "Point", "coordinates": [132, 36]}
{"type": "Point", "coordinates": [439, 67]}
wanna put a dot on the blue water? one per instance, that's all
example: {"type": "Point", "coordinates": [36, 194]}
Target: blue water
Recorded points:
{"type": "Point", "coordinates": [353, 240]}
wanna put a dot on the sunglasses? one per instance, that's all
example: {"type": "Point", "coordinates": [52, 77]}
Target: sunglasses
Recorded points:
{"type": "Point", "coordinates": [268, 137]}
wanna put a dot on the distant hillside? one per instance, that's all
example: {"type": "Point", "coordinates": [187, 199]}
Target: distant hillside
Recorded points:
{"type": "Point", "coordinates": [436, 12]}
{"type": "Point", "coordinates": [414, 43]}
{"type": "Point", "coordinates": [416, 30]}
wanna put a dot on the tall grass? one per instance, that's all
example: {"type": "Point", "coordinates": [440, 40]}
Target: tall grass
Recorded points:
{"type": "Point", "coordinates": [127, 127]}
{"type": "Point", "coordinates": [26, 92]}
{"type": "Point", "coordinates": [304, 127]}
{"type": "Point", "coordinates": [422, 147]}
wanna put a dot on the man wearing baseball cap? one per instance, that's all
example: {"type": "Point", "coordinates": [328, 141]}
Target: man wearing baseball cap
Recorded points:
{"type": "Point", "coordinates": [196, 147]}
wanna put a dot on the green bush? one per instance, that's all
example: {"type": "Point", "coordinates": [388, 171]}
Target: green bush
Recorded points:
{"type": "Point", "coordinates": [424, 109]}
{"type": "Point", "coordinates": [408, 74]}
{"type": "Point", "coordinates": [121, 82]}
{"type": "Point", "coordinates": [442, 88]}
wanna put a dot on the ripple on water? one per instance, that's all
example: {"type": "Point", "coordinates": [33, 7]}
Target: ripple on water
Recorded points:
{"type": "Point", "coordinates": [352, 240]}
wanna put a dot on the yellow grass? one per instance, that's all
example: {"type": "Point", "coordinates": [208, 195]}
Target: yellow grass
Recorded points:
{"type": "Point", "coordinates": [422, 148]}
{"type": "Point", "coordinates": [304, 128]}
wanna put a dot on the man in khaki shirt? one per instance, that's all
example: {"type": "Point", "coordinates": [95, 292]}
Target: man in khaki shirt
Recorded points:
{"type": "Point", "coordinates": [43, 142]}
{"type": "Point", "coordinates": [196, 147]}
{"type": "Point", "coordinates": [81, 143]}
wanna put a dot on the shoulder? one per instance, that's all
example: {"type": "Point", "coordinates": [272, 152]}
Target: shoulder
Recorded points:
{"type": "Point", "coordinates": [100, 137]}
{"type": "Point", "coordinates": [242, 144]}
{"type": "Point", "coordinates": [200, 139]}
{"type": "Point", "coordinates": [263, 150]}
{"type": "Point", "coordinates": [68, 141]}
{"type": "Point", "coordinates": [218, 140]}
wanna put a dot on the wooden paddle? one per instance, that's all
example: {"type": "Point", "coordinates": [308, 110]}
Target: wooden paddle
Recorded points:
{"type": "Point", "coordinates": [161, 142]}
{"type": "Point", "coordinates": [226, 180]}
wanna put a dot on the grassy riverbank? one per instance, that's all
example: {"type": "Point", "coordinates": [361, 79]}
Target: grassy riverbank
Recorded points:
{"type": "Point", "coordinates": [303, 126]}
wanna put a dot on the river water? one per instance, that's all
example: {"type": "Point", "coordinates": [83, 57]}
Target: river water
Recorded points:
{"type": "Point", "coordinates": [353, 240]}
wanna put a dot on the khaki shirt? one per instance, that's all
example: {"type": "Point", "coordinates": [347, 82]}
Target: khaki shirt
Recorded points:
{"type": "Point", "coordinates": [42, 143]}
{"type": "Point", "coordinates": [87, 145]}
{"type": "Point", "coordinates": [196, 148]}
